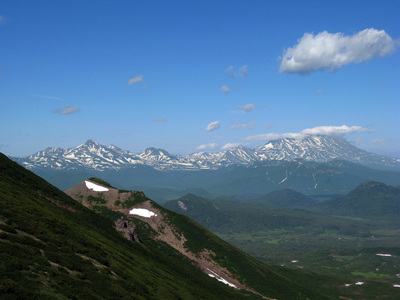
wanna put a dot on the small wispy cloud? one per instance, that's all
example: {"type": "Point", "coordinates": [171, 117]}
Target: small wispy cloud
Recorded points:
{"type": "Point", "coordinates": [67, 110]}
{"type": "Point", "coordinates": [242, 72]}
{"type": "Point", "coordinates": [243, 125]}
{"type": "Point", "coordinates": [230, 146]}
{"type": "Point", "coordinates": [225, 89]}
{"type": "Point", "coordinates": [334, 130]}
{"type": "Point", "coordinates": [213, 126]}
{"type": "Point", "coordinates": [136, 79]}
{"type": "Point", "coordinates": [335, 50]}
{"type": "Point", "coordinates": [229, 69]}
{"type": "Point", "coordinates": [2, 19]}
{"type": "Point", "coordinates": [246, 108]}
{"type": "Point", "coordinates": [319, 91]}
{"type": "Point", "coordinates": [207, 146]}
{"type": "Point", "coordinates": [320, 130]}
{"type": "Point", "coordinates": [160, 120]}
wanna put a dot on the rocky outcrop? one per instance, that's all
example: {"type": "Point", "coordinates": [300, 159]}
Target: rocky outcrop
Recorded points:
{"type": "Point", "coordinates": [128, 228]}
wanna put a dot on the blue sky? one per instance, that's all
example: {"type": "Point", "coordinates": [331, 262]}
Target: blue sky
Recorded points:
{"type": "Point", "coordinates": [190, 76]}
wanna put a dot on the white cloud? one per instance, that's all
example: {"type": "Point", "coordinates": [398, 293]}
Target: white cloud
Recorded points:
{"type": "Point", "coordinates": [319, 91]}
{"type": "Point", "coordinates": [207, 146]}
{"type": "Point", "coordinates": [246, 108]}
{"type": "Point", "coordinates": [320, 130]}
{"type": "Point", "coordinates": [2, 19]}
{"type": "Point", "coordinates": [241, 73]}
{"type": "Point", "coordinates": [333, 130]}
{"type": "Point", "coordinates": [332, 51]}
{"type": "Point", "coordinates": [67, 110]}
{"type": "Point", "coordinates": [229, 146]}
{"type": "Point", "coordinates": [229, 69]}
{"type": "Point", "coordinates": [243, 125]}
{"type": "Point", "coordinates": [272, 136]}
{"type": "Point", "coordinates": [213, 126]}
{"type": "Point", "coordinates": [136, 79]}
{"type": "Point", "coordinates": [225, 89]}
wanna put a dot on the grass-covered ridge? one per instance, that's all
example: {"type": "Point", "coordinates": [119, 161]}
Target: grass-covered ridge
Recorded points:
{"type": "Point", "coordinates": [53, 247]}
{"type": "Point", "coordinates": [196, 240]}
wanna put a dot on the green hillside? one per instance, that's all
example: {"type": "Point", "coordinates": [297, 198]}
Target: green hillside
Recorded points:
{"type": "Point", "coordinates": [52, 247]}
{"type": "Point", "coordinates": [199, 242]}
{"type": "Point", "coordinates": [283, 198]}
{"type": "Point", "coordinates": [368, 200]}
{"type": "Point", "coordinates": [339, 246]}
{"type": "Point", "coordinates": [204, 211]}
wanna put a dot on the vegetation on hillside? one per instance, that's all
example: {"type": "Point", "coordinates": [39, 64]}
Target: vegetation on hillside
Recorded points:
{"type": "Point", "coordinates": [53, 247]}
{"type": "Point", "coordinates": [340, 246]}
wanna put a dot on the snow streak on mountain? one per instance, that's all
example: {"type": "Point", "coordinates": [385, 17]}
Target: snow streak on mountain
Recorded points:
{"type": "Point", "coordinates": [92, 155]}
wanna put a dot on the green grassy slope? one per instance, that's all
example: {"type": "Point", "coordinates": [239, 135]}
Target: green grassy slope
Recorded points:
{"type": "Point", "coordinates": [256, 275]}
{"type": "Point", "coordinates": [53, 247]}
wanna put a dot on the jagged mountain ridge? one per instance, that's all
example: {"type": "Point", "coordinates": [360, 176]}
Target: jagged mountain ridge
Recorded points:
{"type": "Point", "coordinates": [92, 155]}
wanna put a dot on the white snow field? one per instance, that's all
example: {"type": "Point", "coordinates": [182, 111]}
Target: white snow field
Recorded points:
{"type": "Point", "coordinates": [142, 212]}
{"type": "Point", "coordinates": [95, 187]}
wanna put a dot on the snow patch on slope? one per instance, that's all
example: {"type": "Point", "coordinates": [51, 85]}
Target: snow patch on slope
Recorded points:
{"type": "Point", "coordinates": [384, 254]}
{"type": "Point", "coordinates": [182, 205]}
{"type": "Point", "coordinates": [219, 278]}
{"type": "Point", "coordinates": [95, 187]}
{"type": "Point", "coordinates": [142, 212]}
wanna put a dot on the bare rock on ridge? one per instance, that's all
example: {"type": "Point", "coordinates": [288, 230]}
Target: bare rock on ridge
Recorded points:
{"type": "Point", "coordinates": [128, 228]}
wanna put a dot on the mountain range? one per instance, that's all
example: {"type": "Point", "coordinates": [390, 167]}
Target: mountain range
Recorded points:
{"type": "Point", "coordinates": [94, 156]}
{"type": "Point", "coordinates": [316, 165]}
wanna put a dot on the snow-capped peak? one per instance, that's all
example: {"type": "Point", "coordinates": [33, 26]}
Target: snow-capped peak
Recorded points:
{"type": "Point", "coordinates": [92, 155]}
